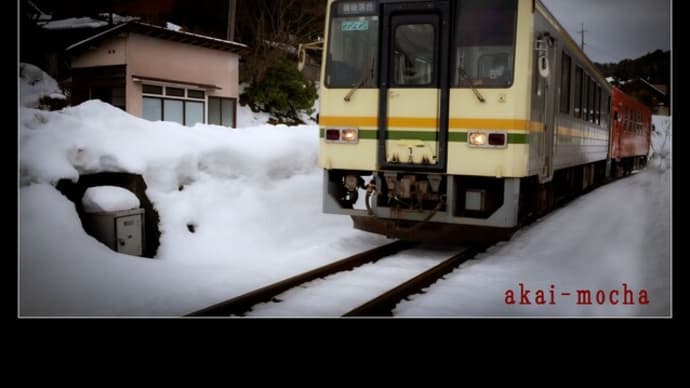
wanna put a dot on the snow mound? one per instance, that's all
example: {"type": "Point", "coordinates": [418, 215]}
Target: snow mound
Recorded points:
{"type": "Point", "coordinates": [108, 199]}
{"type": "Point", "coordinates": [660, 153]}
{"type": "Point", "coordinates": [97, 137]}
{"type": "Point", "coordinates": [35, 84]}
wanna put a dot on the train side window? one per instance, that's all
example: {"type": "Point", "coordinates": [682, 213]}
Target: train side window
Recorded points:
{"type": "Point", "coordinates": [578, 92]}
{"type": "Point", "coordinates": [638, 121]}
{"type": "Point", "coordinates": [599, 105]}
{"type": "Point", "coordinates": [565, 83]}
{"type": "Point", "coordinates": [608, 108]}
{"type": "Point", "coordinates": [593, 101]}
{"type": "Point", "coordinates": [585, 96]}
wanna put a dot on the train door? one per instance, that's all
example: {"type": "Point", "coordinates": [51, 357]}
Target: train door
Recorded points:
{"type": "Point", "coordinates": [547, 88]}
{"type": "Point", "coordinates": [414, 87]}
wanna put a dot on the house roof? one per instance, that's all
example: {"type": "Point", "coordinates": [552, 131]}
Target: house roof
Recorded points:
{"type": "Point", "coordinates": [653, 87]}
{"type": "Point", "coordinates": [164, 33]}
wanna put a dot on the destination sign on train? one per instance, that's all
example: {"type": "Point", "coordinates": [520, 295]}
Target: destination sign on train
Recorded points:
{"type": "Point", "coordinates": [356, 7]}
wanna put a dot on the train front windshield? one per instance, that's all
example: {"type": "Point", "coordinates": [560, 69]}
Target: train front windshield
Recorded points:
{"type": "Point", "coordinates": [353, 45]}
{"type": "Point", "coordinates": [485, 43]}
{"type": "Point", "coordinates": [483, 56]}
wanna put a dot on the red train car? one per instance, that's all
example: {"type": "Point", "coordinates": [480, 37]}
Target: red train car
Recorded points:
{"type": "Point", "coordinates": [630, 133]}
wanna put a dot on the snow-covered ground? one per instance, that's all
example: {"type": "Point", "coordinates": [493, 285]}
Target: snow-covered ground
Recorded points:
{"type": "Point", "coordinates": [254, 195]}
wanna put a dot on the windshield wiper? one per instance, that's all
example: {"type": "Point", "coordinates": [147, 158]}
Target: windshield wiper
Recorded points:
{"type": "Point", "coordinates": [368, 74]}
{"type": "Point", "coordinates": [472, 82]}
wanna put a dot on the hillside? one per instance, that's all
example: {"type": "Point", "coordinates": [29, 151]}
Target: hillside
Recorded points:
{"type": "Point", "coordinates": [654, 68]}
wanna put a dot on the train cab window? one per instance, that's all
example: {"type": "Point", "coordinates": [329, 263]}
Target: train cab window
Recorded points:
{"type": "Point", "coordinates": [413, 59]}
{"type": "Point", "coordinates": [484, 53]}
{"type": "Point", "coordinates": [352, 46]}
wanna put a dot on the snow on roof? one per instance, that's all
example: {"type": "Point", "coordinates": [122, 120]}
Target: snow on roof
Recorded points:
{"type": "Point", "coordinates": [166, 33]}
{"type": "Point", "coordinates": [73, 23]}
{"type": "Point", "coordinates": [86, 22]}
{"type": "Point", "coordinates": [39, 15]}
{"type": "Point", "coordinates": [172, 26]}
{"type": "Point", "coordinates": [652, 86]}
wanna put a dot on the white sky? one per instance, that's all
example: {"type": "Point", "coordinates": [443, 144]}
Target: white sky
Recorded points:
{"type": "Point", "coordinates": [255, 196]}
{"type": "Point", "coordinates": [616, 29]}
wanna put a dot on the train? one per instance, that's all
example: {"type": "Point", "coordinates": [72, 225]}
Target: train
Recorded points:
{"type": "Point", "coordinates": [463, 120]}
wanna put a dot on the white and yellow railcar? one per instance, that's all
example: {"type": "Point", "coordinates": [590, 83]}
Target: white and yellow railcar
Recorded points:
{"type": "Point", "coordinates": [455, 117]}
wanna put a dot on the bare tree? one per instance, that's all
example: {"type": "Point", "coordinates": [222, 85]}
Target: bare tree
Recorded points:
{"type": "Point", "coordinates": [274, 28]}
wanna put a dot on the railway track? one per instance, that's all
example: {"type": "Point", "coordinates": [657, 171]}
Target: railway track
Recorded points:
{"type": "Point", "coordinates": [382, 305]}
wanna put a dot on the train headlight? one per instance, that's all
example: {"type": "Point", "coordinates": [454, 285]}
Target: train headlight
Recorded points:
{"type": "Point", "coordinates": [478, 139]}
{"type": "Point", "coordinates": [347, 135]}
{"type": "Point", "coordinates": [487, 139]}
{"type": "Point", "coordinates": [350, 135]}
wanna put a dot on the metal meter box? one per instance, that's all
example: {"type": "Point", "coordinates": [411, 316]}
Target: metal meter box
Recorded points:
{"type": "Point", "coordinates": [122, 231]}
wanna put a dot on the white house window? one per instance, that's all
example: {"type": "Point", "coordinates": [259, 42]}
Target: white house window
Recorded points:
{"type": "Point", "coordinates": [194, 112]}
{"type": "Point", "coordinates": [173, 110]}
{"type": "Point", "coordinates": [221, 111]}
{"type": "Point", "coordinates": [168, 103]}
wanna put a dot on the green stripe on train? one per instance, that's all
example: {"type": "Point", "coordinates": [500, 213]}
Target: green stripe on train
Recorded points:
{"type": "Point", "coordinates": [458, 137]}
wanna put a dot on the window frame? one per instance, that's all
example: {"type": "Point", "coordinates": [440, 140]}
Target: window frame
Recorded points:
{"type": "Point", "coordinates": [234, 108]}
{"type": "Point", "coordinates": [579, 75]}
{"type": "Point", "coordinates": [566, 79]}
{"type": "Point", "coordinates": [164, 96]}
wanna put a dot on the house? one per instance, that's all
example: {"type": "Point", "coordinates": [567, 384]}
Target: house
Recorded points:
{"type": "Point", "coordinates": [159, 74]}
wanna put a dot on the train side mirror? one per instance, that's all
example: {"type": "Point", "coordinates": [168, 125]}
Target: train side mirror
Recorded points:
{"type": "Point", "coordinates": [617, 116]}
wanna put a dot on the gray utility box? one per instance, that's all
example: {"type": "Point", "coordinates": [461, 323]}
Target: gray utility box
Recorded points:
{"type": "Point", "coordinates": [122, 231]}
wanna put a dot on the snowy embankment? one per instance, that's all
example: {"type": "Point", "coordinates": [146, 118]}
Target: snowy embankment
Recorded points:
{"type": "Point", "coordinates": [253, 194]}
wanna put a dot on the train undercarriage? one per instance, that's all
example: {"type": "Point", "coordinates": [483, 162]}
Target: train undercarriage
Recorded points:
{"type": "Point", "coordinates": [459, 209]}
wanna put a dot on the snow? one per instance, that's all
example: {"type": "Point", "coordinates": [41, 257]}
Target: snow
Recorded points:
{"type": "Point", "coordinates": [35, 84]}
{"type": "Point", "coordinates": [254, 197]}
{"type": "Point", "coordinates": [72, 23]}
{"type": "Point", "coordinates": [109, 199]}
{"type": "Point", "coordinates": [660, 153]}
{"type": "Point", "coordinates": [86, 22]}
{"type": "Point", "coordinates": [348, 290]}
{"type": "Point", "coordinates": [246, 118]}
{"type": "Point", "coordinates": [172, 26]}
